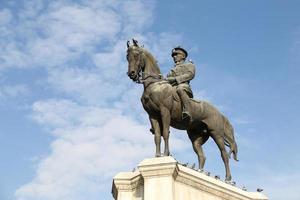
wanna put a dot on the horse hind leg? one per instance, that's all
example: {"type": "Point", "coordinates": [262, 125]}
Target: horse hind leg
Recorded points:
{"type": "Point", "coordinates": [197, 142]}
{"type": "Point", "coordinates": [221, 144]}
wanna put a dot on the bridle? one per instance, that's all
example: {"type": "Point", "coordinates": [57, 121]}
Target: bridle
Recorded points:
{"type": "Point", "coordinates": [141, 75]}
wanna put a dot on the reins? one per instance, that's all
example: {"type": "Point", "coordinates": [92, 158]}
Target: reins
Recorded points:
{"type": "Point", "coordinates": [142, 76]}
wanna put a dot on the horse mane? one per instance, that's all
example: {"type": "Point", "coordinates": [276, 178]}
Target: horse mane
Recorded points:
{"type": "Point", "coordinates": [151, 59]}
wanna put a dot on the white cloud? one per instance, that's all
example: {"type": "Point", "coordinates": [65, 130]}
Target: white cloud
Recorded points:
{"type": "Point", "coordinates": [100, 127]}
{"type": "Point", "coordinates": [55, 33]}
{"type": "Point", "coordinates": [136, 16]}
{"type": "Point", "coordinates": [92, 145]}
{"type": "Point", "coordinates": [10, 56]}
{"type": "Point", "coordinates": [68, 30]}
{"type": "Point", "coordinates": [164, 43]}
{"type": "Point", "coordinates": [10, 91]}
{"type": "Point", "coordinates": [86, 149]}
{"type": "Point", "coordinates": [66, 113]}
{"type": "Point", "coordinates": [86, 85]}
{"type": "Point", "coordinates": [112, 63]}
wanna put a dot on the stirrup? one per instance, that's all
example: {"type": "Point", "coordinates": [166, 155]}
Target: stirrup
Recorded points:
{"type": "Point", "coordinates": [186, 115]}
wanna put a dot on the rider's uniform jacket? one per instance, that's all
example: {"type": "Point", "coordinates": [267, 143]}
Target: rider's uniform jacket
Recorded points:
{"type": "Point", "coordinates": [183, 73]}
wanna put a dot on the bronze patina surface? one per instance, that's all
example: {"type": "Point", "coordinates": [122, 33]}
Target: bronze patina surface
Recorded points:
{"type": "Point", "coordinates": [169, 102]}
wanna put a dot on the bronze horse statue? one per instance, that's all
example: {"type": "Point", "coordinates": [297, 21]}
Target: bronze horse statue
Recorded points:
{"type": "Point", "coordinates": [164, 108]}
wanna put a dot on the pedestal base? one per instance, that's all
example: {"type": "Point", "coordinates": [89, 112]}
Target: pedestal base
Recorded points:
{"type": "Point", "coordinates": [164, 178]}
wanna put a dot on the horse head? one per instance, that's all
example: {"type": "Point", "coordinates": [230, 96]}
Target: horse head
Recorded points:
{"type": "Point", "coordinates": [135, 60]}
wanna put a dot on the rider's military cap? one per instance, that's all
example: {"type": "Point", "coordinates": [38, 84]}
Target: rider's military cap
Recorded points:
{"type": "Point", "coordinates": [179, 49]}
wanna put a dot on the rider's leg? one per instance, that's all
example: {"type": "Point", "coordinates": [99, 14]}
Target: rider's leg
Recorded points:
{"type": "Point", "coordinates": [184, 97]}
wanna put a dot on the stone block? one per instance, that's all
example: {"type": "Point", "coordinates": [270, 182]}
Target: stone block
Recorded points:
{"type": "Point", "coordinates": [163, 178]}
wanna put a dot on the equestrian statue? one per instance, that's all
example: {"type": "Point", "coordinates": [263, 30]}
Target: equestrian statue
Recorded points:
{"type": "Point", "coordinates": [169, 102]}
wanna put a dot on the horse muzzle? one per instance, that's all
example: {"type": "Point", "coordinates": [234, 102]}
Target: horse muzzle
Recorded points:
{"type": "Point", "coordinates": [132, 75]}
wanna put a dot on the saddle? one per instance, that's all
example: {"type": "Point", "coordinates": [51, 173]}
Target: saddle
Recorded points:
{"type": "Point", "coordinates": [175, 95]}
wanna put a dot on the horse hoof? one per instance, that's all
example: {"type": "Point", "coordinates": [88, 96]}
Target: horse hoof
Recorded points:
{"type": "Point", "coordinates": [166, 154]}
{"type": "Point", "coordinates": [228, 180]}
{"type": "Point", "coordinates": [157, 155]}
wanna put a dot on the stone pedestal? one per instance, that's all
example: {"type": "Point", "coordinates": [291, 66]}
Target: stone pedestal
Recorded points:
{"type": "Point", "coordinates": [128, 185]}
{"type": "Point", "coordinates": [164, 178]}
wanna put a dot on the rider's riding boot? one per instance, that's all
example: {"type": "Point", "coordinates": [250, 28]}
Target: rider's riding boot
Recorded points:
{"type": "Point", "coordinates": [185, 105]}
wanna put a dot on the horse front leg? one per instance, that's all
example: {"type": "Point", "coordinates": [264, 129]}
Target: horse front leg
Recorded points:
{"type": "Point", "coordinates": [165, 120]}
{"type": "Point", "coordinates": [156, 130]}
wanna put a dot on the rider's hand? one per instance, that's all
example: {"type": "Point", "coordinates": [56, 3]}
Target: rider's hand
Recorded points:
{"type": "Point", "coordinates": [171, 80]}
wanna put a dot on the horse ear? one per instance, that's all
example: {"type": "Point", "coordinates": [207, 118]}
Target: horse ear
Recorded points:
{"type": "Point", "coordinates": [135, 42]}
{"type": "Point", "coordinates": [128, 43]}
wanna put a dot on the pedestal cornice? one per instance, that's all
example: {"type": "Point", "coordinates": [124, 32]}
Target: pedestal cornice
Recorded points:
{"type": "Point", "coordinates": [161, 166]}
{"type": "Point", "coordinates": [126, 182]}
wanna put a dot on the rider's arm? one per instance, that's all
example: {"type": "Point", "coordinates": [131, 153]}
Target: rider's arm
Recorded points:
{"type": "Point", "coordinates": [189, 74]}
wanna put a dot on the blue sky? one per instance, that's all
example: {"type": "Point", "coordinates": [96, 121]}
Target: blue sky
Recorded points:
{"type": "Point", "coordinates": [71, 119]}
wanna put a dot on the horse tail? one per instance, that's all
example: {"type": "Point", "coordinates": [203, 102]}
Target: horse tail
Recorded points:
{"type": "Point", "coordinates": [229, 138]}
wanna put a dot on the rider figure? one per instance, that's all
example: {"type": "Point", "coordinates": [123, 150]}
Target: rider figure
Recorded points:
{"type": "Point", "coordinates": [180, 77]}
